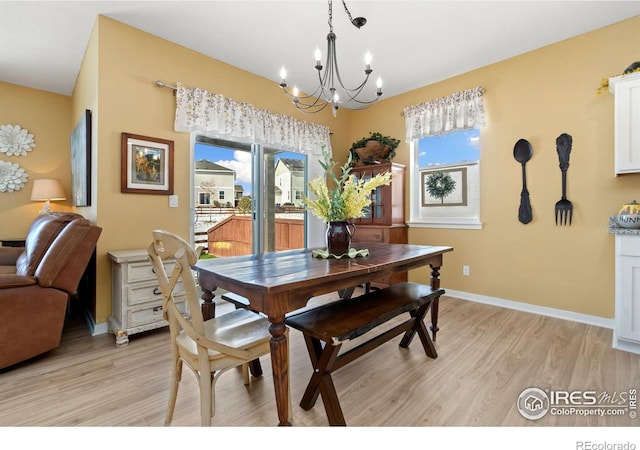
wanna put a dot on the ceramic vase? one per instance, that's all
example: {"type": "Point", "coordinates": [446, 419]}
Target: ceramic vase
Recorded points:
{"type": "Point", "coordinates": [339, 235]}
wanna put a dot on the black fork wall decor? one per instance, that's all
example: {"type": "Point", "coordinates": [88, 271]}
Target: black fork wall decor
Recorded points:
{"type": "Point", "coordinates": [564, 208]}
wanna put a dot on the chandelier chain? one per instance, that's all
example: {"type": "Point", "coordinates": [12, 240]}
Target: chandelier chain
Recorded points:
{"type": "Point", "coordinates": [347, 10]}
{"type": "Point", "coordinates": [331, 17]}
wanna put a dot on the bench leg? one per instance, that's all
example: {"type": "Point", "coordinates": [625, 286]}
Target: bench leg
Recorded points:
{"type": "Point", "coordinates": [323, 359]}
{"type": "Point", "coordinates": [419, 327]}
{"type": "Point", "coordinates": [310, 396]}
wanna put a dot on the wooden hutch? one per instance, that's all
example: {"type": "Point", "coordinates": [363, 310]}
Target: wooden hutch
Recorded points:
{"type": "Point", "coordinates": [384, 217]}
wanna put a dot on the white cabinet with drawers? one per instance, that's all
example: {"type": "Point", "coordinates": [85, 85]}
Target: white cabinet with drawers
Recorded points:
{"type": "Point", "coordinates": [626, 331]}
{"type": "Point", "coordinates": [136, 297]}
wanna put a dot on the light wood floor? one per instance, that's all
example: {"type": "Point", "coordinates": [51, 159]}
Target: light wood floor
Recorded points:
{"type": "Point", "coordinates": [487, 356]}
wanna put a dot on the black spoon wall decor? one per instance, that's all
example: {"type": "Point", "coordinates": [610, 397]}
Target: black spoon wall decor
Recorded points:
{"type": "Point", "coordinates": [523, 152]}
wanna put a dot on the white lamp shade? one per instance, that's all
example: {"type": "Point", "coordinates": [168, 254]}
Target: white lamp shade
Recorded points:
{"type": "Point", "coordinates": [47, 190]}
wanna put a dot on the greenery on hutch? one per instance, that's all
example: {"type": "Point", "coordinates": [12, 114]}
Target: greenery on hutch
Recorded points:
{"type": "Point", "coordinates": [375, 136]}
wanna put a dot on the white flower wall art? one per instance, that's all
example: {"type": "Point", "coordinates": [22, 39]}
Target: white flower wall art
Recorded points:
{"type": "Point", "coordinates": [15, 140]}
{"type": "Point", "coordinates": [12, 177]}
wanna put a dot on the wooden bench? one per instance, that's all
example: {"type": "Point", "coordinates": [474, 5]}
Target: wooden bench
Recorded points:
{"type": "Point", "coordinates": [326, 328]}
{"type": "Point", "coordinates": [238, 301]}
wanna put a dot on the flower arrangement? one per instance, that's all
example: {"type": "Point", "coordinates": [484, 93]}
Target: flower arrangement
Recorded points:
{"type": "Point", "coordinates": [348, 196]}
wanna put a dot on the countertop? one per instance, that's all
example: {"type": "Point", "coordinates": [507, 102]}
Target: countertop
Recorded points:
{"type": "Point", "coordinates": [614, 228]}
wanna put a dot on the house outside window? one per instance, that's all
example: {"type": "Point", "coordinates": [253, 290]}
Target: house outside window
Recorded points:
{"type": "Point", "coordinates": [213, 181]}
{"type": "Point", "coordinates": [289, 175]}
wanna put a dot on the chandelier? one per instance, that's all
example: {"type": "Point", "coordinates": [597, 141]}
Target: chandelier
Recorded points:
{"type": "Point", "coordinates": [331, 90]}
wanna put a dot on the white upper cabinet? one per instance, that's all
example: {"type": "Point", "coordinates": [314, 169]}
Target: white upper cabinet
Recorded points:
{"type": "Point", "coordinates": [626, 89]}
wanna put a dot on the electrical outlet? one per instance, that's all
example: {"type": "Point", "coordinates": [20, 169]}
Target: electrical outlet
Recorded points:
{"type": "Point", "coordinates": [465, 270]}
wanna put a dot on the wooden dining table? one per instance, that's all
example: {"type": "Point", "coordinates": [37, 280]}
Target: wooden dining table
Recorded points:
{"type": "Point", "coordinates": [276, 283]}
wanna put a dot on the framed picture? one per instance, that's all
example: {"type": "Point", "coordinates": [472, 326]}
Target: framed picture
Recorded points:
{"type": "Point", "coordinates": [444, 187]}
{"type": "Point", "coordinates": [147, 165]}
{"type": "Point", "coordinates": [80, 142]}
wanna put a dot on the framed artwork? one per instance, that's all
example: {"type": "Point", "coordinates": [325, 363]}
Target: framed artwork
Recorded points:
{"type": "Point", "coordinates": [80, 142]}
{"type": "Point", "coordinates": [147, 165]}
{"type": "Point", "coordinates": [444, 187]}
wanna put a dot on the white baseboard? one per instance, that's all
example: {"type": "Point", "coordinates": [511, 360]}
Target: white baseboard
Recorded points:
{"type": "Point", "coordinates": [535, 309]}
{"type": "Point", "coordinates": [102, 328]}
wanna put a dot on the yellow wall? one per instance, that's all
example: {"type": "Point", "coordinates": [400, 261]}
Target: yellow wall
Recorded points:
{"type": "Point", "coordinates": [47, 117]}
{"type": "Point", "coordinates": [85, 96]}
{"type": "Point", "coordinates": [130, 61]}
{"type": "Point", "coordinates": [536, 96]}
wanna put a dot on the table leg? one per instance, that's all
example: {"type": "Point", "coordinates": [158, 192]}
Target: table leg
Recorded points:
{"type": "Point", "coordinates": [208, 306]}
{"type": "Point", "coordinates": [345, 294]}
{"type": "Point", "coordinates": [435, 285]}
{"type": "Point", "coordinates": [280, 366]}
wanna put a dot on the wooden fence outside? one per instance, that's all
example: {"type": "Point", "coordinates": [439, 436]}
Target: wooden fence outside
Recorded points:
{"type": "Point", "coordinates": [232, 236]}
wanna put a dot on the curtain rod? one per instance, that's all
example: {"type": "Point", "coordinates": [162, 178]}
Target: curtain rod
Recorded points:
{"type": "Point", "coordinates": [163, 84]}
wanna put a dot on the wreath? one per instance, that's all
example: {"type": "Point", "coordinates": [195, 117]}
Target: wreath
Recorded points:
{"type": "Point", "coordinates": [440, 185]}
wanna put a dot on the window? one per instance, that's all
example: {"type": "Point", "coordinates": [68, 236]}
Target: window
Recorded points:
{"type": "Point", "coordinates": [445, 180]}
{"type": "Point", "coordinates": [204, 198]}
{"type": "Point", "coordinates": [444, 175]}
{"type": "Point", "coordinates": [221, 195]}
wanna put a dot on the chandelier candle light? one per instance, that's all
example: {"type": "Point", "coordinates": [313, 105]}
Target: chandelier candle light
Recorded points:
{"type": "Point", "coordinates": [328, 92]}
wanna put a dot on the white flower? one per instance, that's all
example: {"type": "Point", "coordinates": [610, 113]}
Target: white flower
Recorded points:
{"type": "Point", "coordinates": [15, 140]}
{"type": "Point", "coordinates": [12, 177]}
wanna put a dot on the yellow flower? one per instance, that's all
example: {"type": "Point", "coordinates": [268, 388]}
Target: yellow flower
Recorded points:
{"type": "Point", "coordinates": [349, 196]}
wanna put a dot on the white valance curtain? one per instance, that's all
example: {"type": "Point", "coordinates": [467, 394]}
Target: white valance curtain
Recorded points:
{"type": "Point", "coordinates": [198, 110]}
{"type": "Point", "coordinates": [461, 110]}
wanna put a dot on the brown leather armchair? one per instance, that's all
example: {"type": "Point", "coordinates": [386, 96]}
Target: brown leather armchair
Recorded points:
{"type": "Point", "coordinates": [37, 280]}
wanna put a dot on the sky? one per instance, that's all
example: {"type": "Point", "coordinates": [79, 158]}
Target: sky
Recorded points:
{"type": "Point", "coordinates": [446, 149]}
{"type": "Point", "coordinates": [237, 160]}
{"type": "Point", "coordinates": [449, 148]}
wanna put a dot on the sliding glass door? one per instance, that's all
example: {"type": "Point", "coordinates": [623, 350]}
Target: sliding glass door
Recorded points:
{"type": "Point", "coordinates": [247, 198]}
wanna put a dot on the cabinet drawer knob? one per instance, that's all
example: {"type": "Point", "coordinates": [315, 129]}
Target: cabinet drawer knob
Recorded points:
{"type": "Point", "coordinates": [157, 309]}
{"type": "Point", "coordinates": [157, 291]}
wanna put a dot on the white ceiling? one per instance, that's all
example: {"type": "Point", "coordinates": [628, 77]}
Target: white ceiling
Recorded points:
{"type": "Point", "coordinates": [414, 43]}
